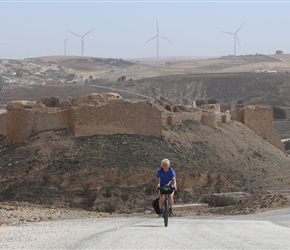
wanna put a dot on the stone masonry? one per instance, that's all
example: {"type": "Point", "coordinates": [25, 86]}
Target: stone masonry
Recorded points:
{"type": "Point", "coordinates": [260, 120]}
{"type": "Point", "coordinates": [109, 113]}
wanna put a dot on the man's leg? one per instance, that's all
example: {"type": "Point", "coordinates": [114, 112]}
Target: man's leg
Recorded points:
{"type": "Point", "coordinates": [161, 203]}
{"type": "Point", "coordinates": [170, 204]}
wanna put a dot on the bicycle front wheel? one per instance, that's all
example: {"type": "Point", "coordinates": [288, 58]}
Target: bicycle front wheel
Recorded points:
{"type": "Point", "coordinates": [166, 212]}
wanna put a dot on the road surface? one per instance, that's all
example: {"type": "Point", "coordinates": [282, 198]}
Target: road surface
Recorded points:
{"type": "Point", "coordinates": [268, 230]}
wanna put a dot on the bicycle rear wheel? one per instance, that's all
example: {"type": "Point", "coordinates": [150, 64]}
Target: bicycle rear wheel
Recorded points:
{"type": "Point", "coordinates": [166, 212]}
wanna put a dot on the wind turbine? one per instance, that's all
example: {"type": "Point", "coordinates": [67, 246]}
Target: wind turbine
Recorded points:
{"type": "Point", "coordinates": [82, 40]}
{"type": "Point", "coordinates": [157, 36]}
{"type": "Point", "coordinates": [65, 45]}
{"type": "Point", "coordinates": [235, 37]}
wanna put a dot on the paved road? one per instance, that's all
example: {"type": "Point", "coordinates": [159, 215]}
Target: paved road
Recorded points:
{"type": "Point", "coordinates": [270, 230]}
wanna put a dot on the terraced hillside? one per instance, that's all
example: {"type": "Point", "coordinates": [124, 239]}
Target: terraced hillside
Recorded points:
{"type": "Point", "coordinates": [98, 172]}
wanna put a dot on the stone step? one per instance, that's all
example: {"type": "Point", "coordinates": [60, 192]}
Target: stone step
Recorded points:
{"type": "Point", "coordinates": [189, 207]}
{"type": "Point", "coordinates": [180, 208]}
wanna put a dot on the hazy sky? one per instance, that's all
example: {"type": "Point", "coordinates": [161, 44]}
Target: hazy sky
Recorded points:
{"type": "Point", "coordinates": [121, 28]}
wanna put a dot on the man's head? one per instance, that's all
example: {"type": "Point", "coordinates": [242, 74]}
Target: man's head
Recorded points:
{"type": "Point", "coordinates": [165, 163]}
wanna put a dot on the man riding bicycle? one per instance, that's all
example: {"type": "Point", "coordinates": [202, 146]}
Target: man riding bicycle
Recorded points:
{"type": "Point", "coordinates": [165, 175]}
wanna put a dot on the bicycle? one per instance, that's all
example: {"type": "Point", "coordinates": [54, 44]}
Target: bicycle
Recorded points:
{"type": "Point", "coordinates": [166, 190]}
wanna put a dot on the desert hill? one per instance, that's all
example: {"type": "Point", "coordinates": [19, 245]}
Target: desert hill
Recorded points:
{"type": "Point", "coordinates": [252, 79]}
{"type": "Point", "coordinates": [97, 172]}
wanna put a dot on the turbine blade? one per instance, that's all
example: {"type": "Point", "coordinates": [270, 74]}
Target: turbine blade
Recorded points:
{"type": "Point", "coordinates": [83, 46]}
{"type": "Point", "coordinates": [74, 33]}
{"type": "Point", "coordinates": [166, 38]}
{"type": "Point", "coordinates": [238, 41]}
{"type": "Point", "coordinates": [157, 27]}
{"type": "Point", "coordinates": [228, 32]}
{"type": "Point", "coordinates": [88, 32]}
{"type": "Point", "coordinates": [239, 28]}
{"type": "Point", "coordinates": [151, 39]}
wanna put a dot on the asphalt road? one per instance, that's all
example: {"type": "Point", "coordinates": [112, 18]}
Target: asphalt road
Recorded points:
{"type": "Point", "coordinates": [269, 230]}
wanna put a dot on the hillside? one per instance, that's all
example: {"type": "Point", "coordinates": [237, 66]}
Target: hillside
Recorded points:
{"type": "Point", "coordinates": [252, 79]}
{"type": "Point", "coordinates": [98, 172]}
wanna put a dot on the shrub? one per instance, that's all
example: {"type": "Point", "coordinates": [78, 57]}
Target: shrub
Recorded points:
{"type": "Point", "coordinates": [211, 101]}
{"type": "Point", "coordinates": [90, 201]}
{"type": "Point", "coordinates": [86, 192]}
{"type": "Point", "coordinates": [110, 208]}
{"type": "Point", "coordinates": [121, 79]}
{"type": "Point", "coordinates": [287, 145]}
{"type": "Point", "coordinates": [125, 197]}
{"type": "Point", "coordinates": [278, 112]}
{"type": "Point", "coordinates": [70, 77]}
{"type": "Point", "coordinates": [149, 190]}
{"type": "Point", "coordinates": [199, 102]}
{"type": "Point", "coordinates": [108, 193]}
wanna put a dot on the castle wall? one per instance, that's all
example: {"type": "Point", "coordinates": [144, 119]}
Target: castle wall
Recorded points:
{"type": "Point", "coordinates": [178, 118]}
{"type": "Point", "coordinates": [209, 120]}
{"type": "Point", "coordinates": [235, 116]}
{"type": "Point", "coordinates": [71, 119]}
{"type": "Point", "coordinates": [212, 107]}
{"type": "Point", "coordinates": [218, 116]}
{"type": "Point", "coordinates": [118, 116]}
{"type": "Point", "coordinates": [260, 120]}
{"type": "Point", "coordinates": [3, 124]}
{"type": "Point", "coordinates": [94, 114]}
{"type": "Point", "coordinates": [51, 119]}
{"type": "Point", "coordinates": [19, 124]}
{"type": "Point", "coordinates": [226, 117]}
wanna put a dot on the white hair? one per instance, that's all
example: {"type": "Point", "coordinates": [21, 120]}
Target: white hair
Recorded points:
{"type": "Point", "coordinates": [165, 161]}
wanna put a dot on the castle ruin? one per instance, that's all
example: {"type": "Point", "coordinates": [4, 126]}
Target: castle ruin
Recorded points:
{"type": "Point", "coordinates": [109, 113]}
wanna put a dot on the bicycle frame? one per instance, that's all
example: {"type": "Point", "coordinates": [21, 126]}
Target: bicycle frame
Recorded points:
{"type": "Point", "coordinates": [166, 210]}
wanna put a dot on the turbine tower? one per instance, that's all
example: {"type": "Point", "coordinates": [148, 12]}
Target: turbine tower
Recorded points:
{"type": "Point", "coordinates": [65, 45]}
{"type": "Point", "coordinates": [157, 36]}
{"type": "Point", "coordinates": [235, 38]}
{"type": "Point", "coordinates": [82, 40]}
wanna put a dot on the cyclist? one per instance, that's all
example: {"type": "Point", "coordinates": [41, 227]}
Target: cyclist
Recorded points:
{"type": "Point", "coordinates": [165, 175]}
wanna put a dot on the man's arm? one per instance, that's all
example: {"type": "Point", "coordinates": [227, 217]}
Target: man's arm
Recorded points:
{"type": "Point", "coordinates": [157, 183]}
{"type": "Point", "coordinates": [174, 182]}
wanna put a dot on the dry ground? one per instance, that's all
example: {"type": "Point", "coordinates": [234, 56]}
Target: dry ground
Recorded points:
{"type": "Point", "coordinates": [92, 174]}
{"type": "Point", "coordinates": [19, 213]}
{"type": "Point", "coordinates": [55, 169]}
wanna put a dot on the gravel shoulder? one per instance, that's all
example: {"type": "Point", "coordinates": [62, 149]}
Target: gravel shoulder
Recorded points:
{"type": "Point", "coordinates": [21, 213]}
{"type": "Point", "coordinates": [59, 234]}
{"type": "Point", "coordinates": [16, 213]}
{"type": "Point", "coordinates": [76, 233]}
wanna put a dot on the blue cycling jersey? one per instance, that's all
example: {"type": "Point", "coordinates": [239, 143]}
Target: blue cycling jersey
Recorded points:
{"type": "Point", "coordinates": [165, 177]}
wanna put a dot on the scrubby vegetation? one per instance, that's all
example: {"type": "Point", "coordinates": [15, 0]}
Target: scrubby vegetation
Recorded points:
{"type": "Point", "coordinates": [278, 112]}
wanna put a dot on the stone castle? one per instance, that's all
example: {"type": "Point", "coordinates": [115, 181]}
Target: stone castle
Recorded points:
{"type": "Point", "coordinates": [109, 113]}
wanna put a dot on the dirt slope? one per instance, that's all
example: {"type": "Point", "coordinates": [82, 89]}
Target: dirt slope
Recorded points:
{"type": "Point", "coordinates": [54, 168]}
{"type": "Point", "coordinates": [99, 172]}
